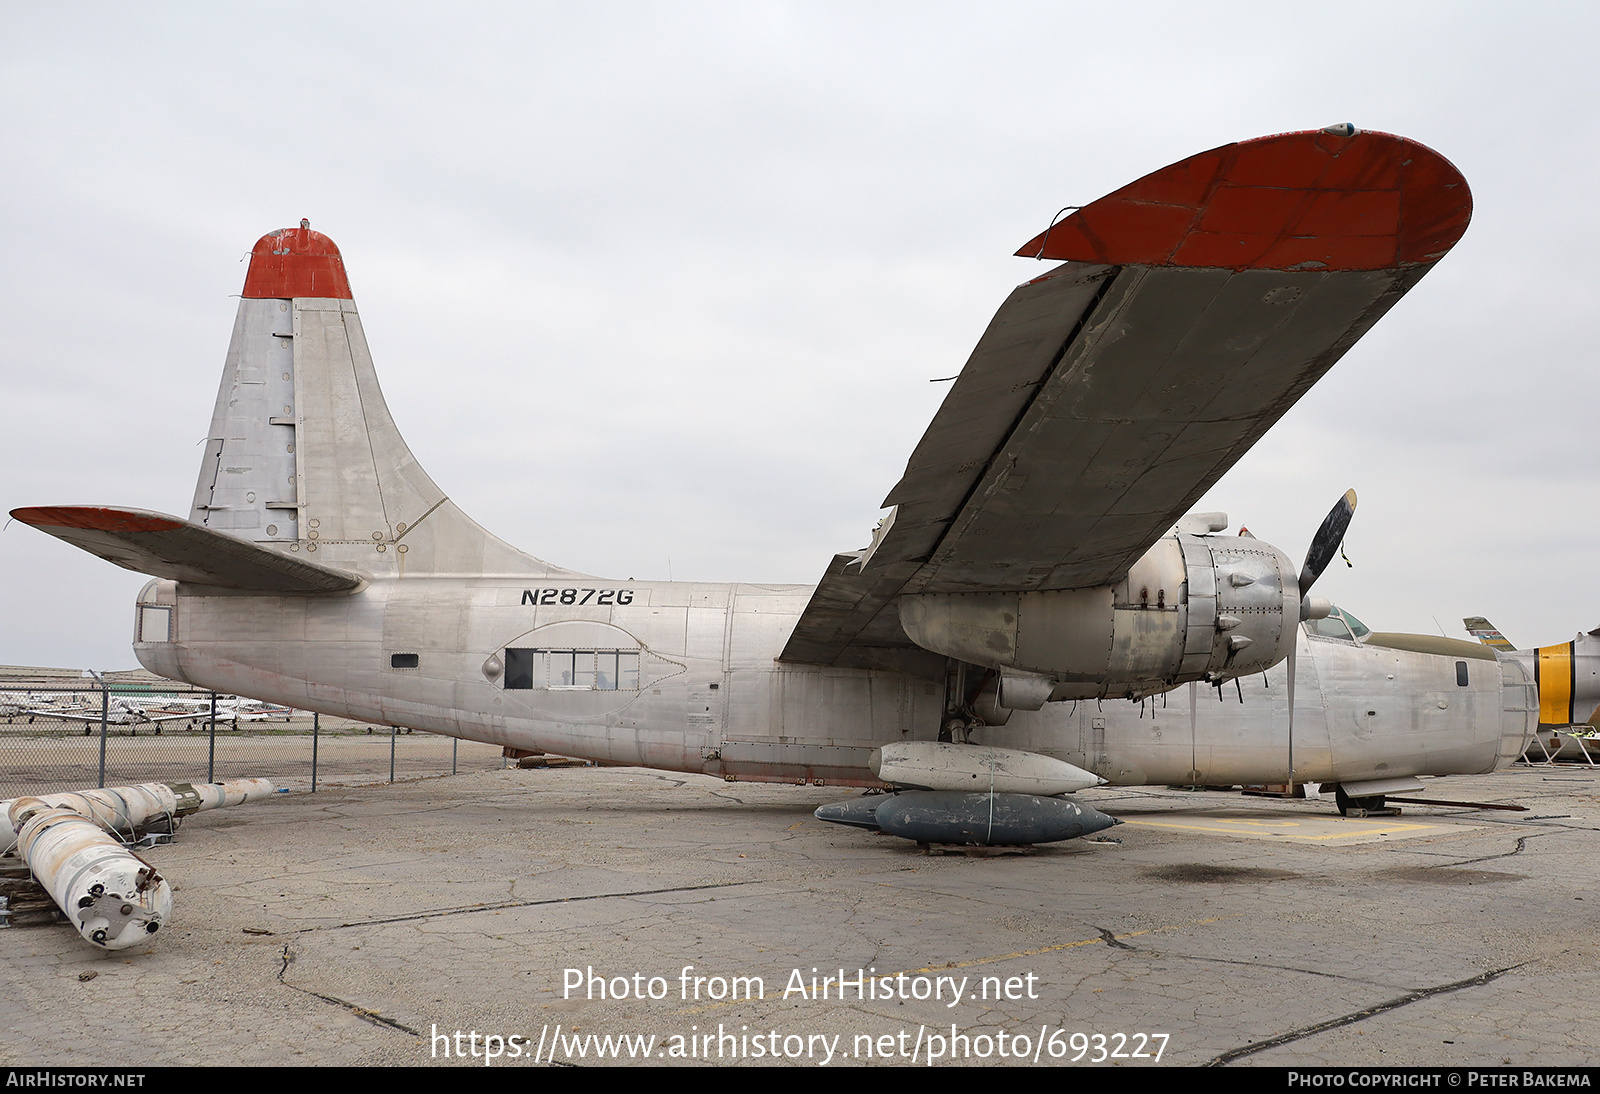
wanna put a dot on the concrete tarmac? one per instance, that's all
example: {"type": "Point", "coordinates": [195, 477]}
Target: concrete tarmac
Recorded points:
{"type": "Point", "coordinates": [371, 924]}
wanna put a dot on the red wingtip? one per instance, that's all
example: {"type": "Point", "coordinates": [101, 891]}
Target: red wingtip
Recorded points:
{"type": "Point", "coordinates": [95, 518]}
{"type": "Point", "coordinates": [1295, 201]}
{"type": "Point", "coordinates": [295, 262]}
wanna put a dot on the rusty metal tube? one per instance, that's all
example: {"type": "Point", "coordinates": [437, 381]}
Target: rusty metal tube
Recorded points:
{"type": "Point", "coordinates": [114, 898]}
{"type": "Point", "coordinates": [126, 809]}
{"type": "Point", "coordinates": [231, 792]}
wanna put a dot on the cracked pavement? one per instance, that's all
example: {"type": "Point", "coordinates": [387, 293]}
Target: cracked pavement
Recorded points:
{"type": "Point", "coordinates": [342, 927]}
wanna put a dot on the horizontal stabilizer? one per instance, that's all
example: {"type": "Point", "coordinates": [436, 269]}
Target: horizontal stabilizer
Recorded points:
{"type": "Point", "coordinates": [166, 546]}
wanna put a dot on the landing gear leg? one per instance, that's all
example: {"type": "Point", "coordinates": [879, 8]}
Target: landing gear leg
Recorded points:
{"type": "Point", "coordinates": [954, 731]}
{"type": "Point", "coordinates": [959, 721]}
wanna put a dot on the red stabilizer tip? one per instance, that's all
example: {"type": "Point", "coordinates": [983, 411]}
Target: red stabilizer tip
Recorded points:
{"type": "Point", "coordinates": [1295, 201]}
{"type": "Point", "coordinates": [295, 262]}
{"type": "Point", "coordinates": [95, 519]}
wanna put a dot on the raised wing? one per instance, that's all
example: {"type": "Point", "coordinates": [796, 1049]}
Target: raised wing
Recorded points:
{"type": "Point", "coordinates": [165, 546]}
{"type": "Point", "coordinates": [1195, 306]}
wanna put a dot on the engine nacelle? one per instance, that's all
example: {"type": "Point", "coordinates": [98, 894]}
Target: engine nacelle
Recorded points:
{"type": "Point", "coordinates": [1193, 608]}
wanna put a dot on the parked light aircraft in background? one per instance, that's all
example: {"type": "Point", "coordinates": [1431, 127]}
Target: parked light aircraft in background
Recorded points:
{"type": "Point", "coordinates": [1032, 557]}
{"type": "Point", "coordinates": [153, 710]}
{"type": "Point", "coordinates": [14, 704]}
{"type": "Point", "coordinates": [238, 710]}
{"type": "Point", "coordinates": [120, 710]}
{"type": "Point", "coordinates": [229, 708]}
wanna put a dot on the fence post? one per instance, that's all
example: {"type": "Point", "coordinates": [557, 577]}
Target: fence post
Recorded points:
{"type": "Point", "coordinates": [211, 754]}
{"type": "Point", "coordinates": [392, 731]}
{"type": "Point", "coordinates": [454, 741]}
{"type": "Point", "coordinates": [105, 713]}
{"type": "Point", "coordinates": [315, 725]}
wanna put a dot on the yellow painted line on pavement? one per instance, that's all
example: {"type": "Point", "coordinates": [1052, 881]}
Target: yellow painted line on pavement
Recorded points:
{"type": "Point", "coordinates": [1301, 831]}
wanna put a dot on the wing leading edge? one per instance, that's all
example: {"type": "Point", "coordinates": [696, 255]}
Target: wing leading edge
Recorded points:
{"type": "Point", "coordinates": [1194, 308]}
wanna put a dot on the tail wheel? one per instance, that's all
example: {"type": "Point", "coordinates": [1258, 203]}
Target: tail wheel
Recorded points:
{"type": "Point", "coordinates": [1357, 807]}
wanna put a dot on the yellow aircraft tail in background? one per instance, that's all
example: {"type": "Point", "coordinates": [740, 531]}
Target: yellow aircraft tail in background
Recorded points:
{"type": "Point", "coordinates": [1568, 674]}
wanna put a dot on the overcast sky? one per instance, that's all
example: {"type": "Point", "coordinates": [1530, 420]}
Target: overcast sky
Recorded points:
{"type": "Point", "coordinates": [659, 288]}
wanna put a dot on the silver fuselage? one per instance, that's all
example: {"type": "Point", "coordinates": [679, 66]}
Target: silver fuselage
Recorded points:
{"type": "Point", "coordinates": [709, 695]}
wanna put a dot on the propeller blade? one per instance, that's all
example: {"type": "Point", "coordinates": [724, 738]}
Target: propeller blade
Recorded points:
{"type": "Point", "coordinates": [1325, 544]}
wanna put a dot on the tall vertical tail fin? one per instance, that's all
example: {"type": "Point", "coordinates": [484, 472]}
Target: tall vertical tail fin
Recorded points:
{"type": "Point", "coordinates": [303, 455]}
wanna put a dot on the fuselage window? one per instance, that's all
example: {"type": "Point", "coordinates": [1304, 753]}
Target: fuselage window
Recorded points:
{"type": "Point", "coordinates": [572, 670]}
{"type": "Point", "coordinates": [519, 670]}
{"type": "Point", "coordinates": [155, 624]}
{"type": "Point", "coordinates": [1461, 674]}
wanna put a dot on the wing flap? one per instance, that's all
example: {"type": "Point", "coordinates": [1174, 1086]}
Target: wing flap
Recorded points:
{"type": "Point", "coordinates": [170, 547]}
{"type": "Point", "coordinates": [1175, 377]}
{"type": "Point", "coordinates": [1023, 342]}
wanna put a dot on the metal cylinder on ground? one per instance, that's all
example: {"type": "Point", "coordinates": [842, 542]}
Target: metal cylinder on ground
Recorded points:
{"type": "Point", "coordinates": [231, 792]}
{"type": "Point", "coordinates": [127, 809]}
{"type": "Point", "coordinates": [71, 844]}
{"type": "Point", "coordinates": [114, 898]}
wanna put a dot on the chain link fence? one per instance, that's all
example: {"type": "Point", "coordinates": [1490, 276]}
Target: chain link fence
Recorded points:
{"type": "Point", "coordinates": [68, 734]}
